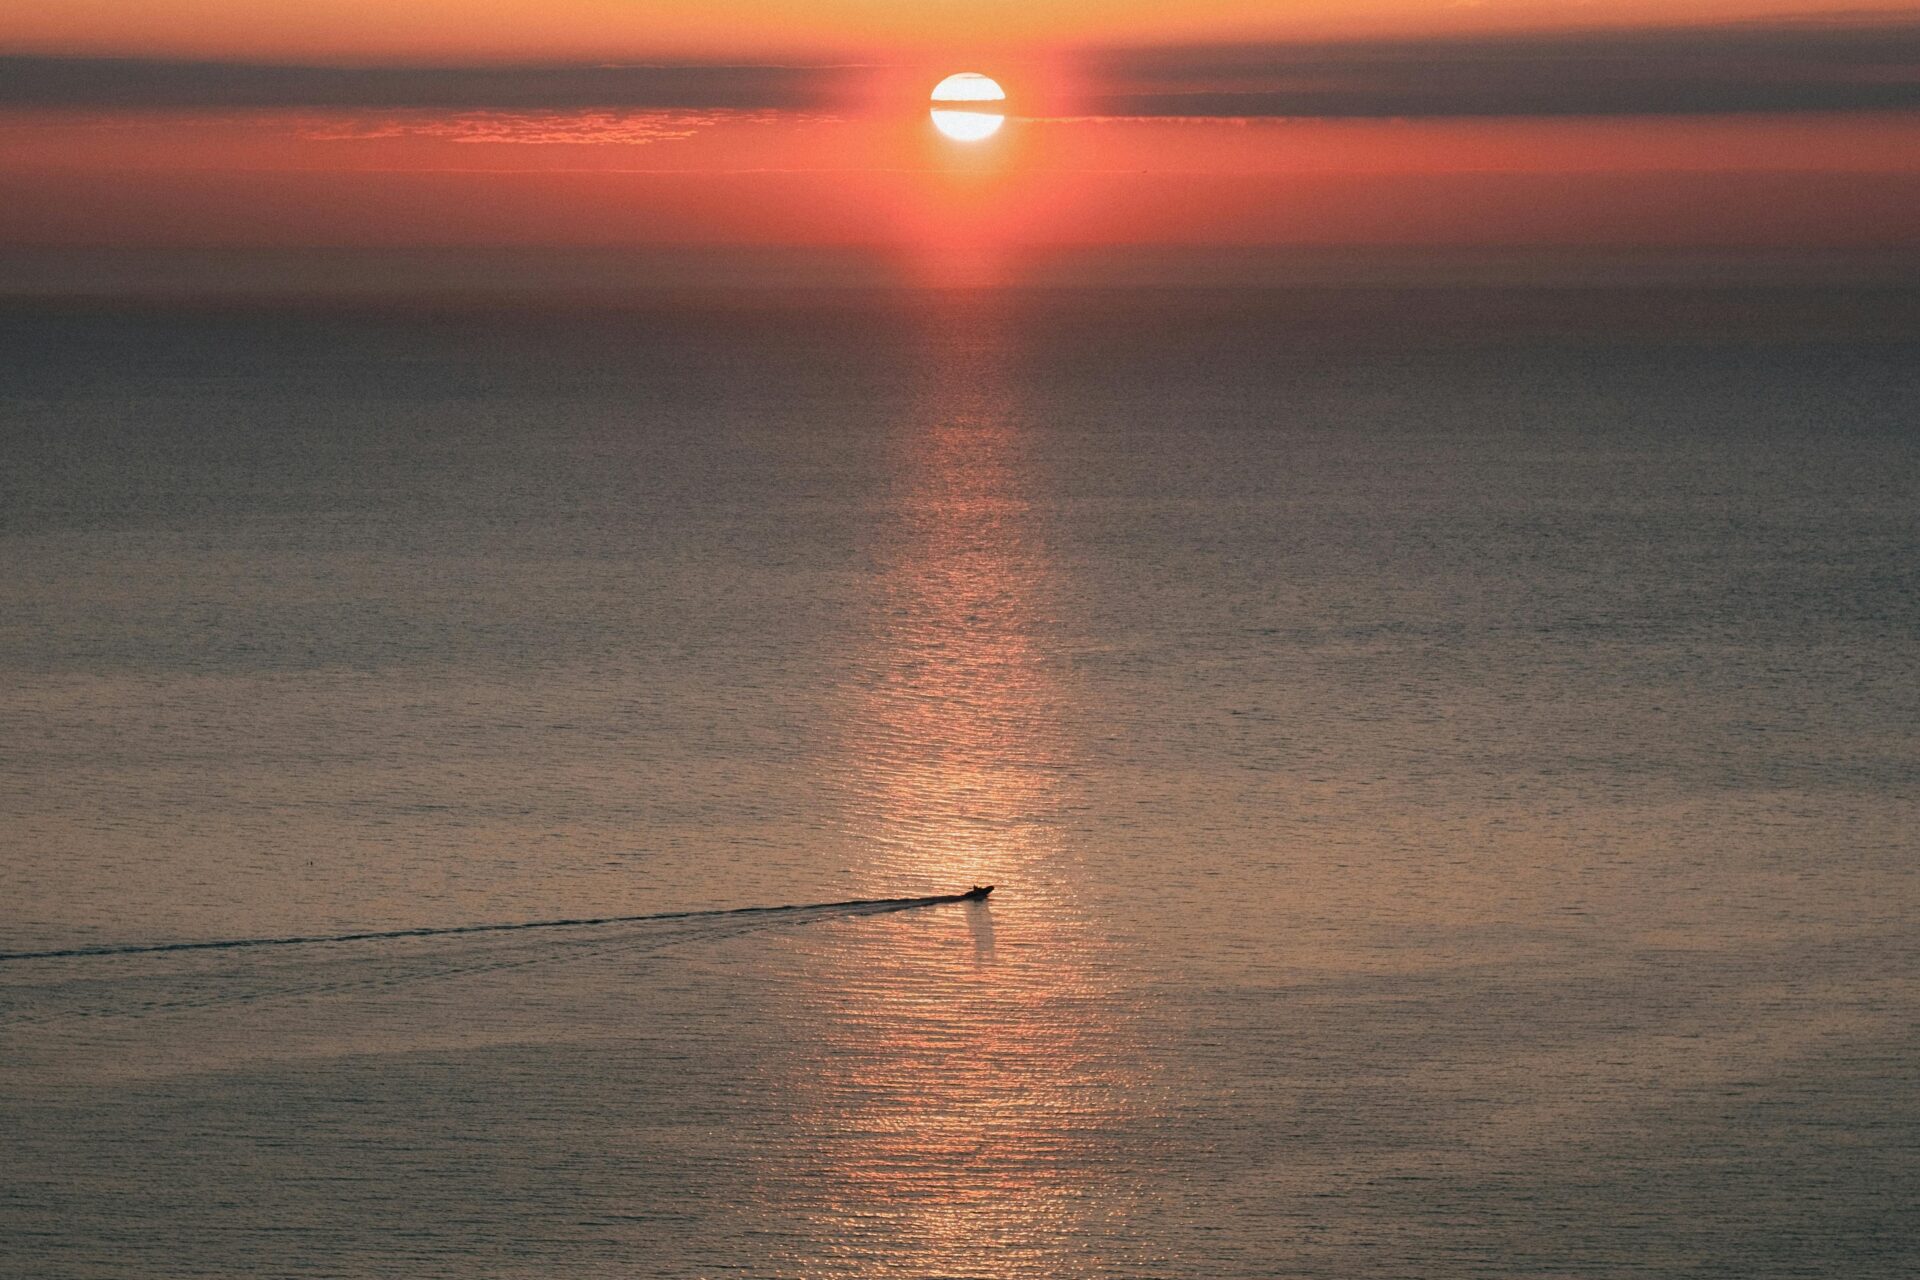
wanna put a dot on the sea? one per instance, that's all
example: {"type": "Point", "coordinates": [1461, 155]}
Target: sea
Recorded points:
{"type": "Point", "coordinates": [1445, 757]}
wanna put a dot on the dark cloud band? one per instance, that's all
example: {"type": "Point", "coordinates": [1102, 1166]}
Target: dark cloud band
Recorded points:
{"type": "Point", "coordinates": [1797, 66]}
{"type": "Point", "coordinates": [151, 83]}
{"type": "Point", "coordinates": [1784, 67]}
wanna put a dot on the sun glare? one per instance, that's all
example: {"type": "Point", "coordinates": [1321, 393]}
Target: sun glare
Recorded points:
{"type": "Point", "coordinates": [968, 122]}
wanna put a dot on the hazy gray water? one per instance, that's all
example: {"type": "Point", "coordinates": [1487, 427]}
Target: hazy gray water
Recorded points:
{"type": "Point", "coordinates": [1448, 760]}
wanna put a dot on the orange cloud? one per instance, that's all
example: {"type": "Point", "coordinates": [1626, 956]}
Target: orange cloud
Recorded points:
{"type": "Point", "coordinates": [518, 128]}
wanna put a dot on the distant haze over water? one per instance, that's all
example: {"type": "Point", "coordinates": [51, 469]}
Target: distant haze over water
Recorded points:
{"type": "Point", "coordinates": [629, 275]}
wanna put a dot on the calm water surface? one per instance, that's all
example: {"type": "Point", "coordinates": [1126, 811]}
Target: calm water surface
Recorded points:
{"type": "Point", "coordinates": [1447, 759]}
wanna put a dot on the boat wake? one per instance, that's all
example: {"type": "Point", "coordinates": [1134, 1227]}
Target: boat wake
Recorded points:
{"type": "Point", "coordinates": [857, 906]}
{"type": "Point", "coordinates": [68, 987]}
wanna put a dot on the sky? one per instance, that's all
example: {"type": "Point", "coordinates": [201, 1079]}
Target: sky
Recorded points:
{"type": "Point", "coordinates": [1604, 125]}
{"type": "Point", "coordinates": [758, 30]}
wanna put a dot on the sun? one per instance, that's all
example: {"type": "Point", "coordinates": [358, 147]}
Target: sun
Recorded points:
{"type": "Point", "coordinates": [971, 122]}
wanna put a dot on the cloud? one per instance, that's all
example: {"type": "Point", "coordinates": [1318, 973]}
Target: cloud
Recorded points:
{"type": "Point", "coordinates": [1789, 66]}
{"type": "Point", "coordinates": [517, 127]}
{"type": "Point", "coordinates": [1810, 64]}
{"type": "Point", "coordinates": [31, 81]}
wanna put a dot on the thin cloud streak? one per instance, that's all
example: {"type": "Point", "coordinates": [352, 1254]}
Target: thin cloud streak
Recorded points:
{"type": "Point", "coordinates": [526, 128]}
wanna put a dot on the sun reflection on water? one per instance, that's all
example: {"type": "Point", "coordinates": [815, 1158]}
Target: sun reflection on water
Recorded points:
{"type": "Point", "coordinates": [977, 1075]}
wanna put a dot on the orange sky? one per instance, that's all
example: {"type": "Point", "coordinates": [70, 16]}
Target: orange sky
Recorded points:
{"type": "Point", "coordinates": [964, 29]}
{"type": "Point", "coordinates": [857, 163]}
{"type": "Point", "coordinates": [435, 177]}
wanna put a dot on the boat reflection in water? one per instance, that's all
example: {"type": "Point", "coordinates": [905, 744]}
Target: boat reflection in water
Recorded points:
{"type": "Point", "coordinates": [977, 1088]}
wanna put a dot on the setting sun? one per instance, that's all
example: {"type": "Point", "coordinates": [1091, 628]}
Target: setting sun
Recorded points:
{"type": "Point", "coordinates": [968, 123]}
